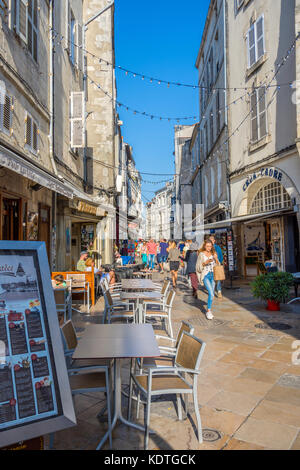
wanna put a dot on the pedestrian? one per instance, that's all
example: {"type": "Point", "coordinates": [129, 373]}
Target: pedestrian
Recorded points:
{"type": "Point", "coordinates": [191, 262]}
{"type": "Point", "coordinates": [206, 262]}
{"type": "Point", "coordinates": [82, 260]}
{"type": "Point", "coordinates": [144, 254]}
{"type": "Point", "coordinates": [163, 255]}
{"type": "Point", "coordinates": [174, 261]}
{"type": "Point", "coordinates": [218, 250]}
{"type": "Point", "coordinates": [152, 252]}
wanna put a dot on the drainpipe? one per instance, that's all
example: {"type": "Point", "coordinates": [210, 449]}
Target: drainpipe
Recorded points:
{"type": "Point", "coordinates": [53, 250]}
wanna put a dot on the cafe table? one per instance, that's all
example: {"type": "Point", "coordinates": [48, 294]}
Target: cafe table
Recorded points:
{"type": "Point", "coordinates": [140, 297]}
{"type": "Point", "coordinates": [118, 342]}
{"type": "Point", "coordinates": [138, 284]}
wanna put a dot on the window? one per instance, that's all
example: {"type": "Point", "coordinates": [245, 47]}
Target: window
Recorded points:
{"type": "Point", "coordinates": [258, 114]}
{"type": "Point", "coordinates": [19, 18]}
{"type": "Point", "coordinates": [256, 41]}
{"type": "Point", "coordinates": [31, 134]}
{"type": "Point", "coordinates": [211, 69]}
{"type": "Point", "coordinates": [6, 111]}
{"type": "Point", "coordinates": [71, 33]}
{"type": "Point", "coordinates": [32, 29]}
{"type": "Point", "coordinates": [271, 197]}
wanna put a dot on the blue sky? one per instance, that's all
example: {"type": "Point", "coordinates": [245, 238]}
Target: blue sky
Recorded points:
{"type": "Point", "coordinates": [159, 39]}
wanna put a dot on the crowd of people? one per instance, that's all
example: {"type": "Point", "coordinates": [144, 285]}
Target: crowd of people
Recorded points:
{"type": "Point", "coordinates": [195, 262]}
{"type": "Point", "coordinates": [186, 257]}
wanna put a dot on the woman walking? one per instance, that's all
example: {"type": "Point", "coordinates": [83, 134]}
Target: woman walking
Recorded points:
{"type": "Point", "coordinates": [191, 261]}
{"type": "Point", "coordinates": [174, 261]}
{"type": "Point", "coordinates": [206, 262]}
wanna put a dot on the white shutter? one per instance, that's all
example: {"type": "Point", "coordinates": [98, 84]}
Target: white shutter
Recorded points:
{"type": "Point", "coordinates": [22, 19]}
{"type": "Point", "coordinates": [77, 120]}
{"type": "Point", "coordinates": [68, 25]}
{"type": "Point", "coordinates": [251, 46]}
{"type": "Point", "coordinates": [260, 40]}
{"type": "Point", "coordinates": [212, 184]}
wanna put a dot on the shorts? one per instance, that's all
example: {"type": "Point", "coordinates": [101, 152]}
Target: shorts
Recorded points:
{"type": "Point", "coordinates": [161, 259]}
{"type": "Point", "coordinates": [174, 265]}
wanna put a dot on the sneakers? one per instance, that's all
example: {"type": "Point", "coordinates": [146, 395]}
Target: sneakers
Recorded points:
{"type": "Point", "coordinates": [219, 294]}
{"type": "Point", "coordinates": [209, 315]}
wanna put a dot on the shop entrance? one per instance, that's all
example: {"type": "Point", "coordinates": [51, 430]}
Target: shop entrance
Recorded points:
{"type": "Point", "coordinates": [11, 219]}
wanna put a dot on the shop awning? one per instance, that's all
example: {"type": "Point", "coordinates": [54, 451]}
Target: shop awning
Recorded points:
{"type": "Point", "coordinates": [14, 162]}
{"type": "Point", "coordinates": [243, 218]}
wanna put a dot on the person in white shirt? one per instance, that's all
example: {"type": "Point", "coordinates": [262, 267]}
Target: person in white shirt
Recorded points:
{"type": "Point", "coordinates": [206, 262]}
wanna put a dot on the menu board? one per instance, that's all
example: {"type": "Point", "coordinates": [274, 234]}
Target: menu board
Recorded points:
{"type": "Point", "coordinates": [29, 388]}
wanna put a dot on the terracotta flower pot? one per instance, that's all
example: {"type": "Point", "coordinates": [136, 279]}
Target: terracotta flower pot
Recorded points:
{"type": "Point", "coordinates": [273, 306]}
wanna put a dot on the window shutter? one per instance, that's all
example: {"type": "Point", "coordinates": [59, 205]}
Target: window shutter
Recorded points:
{"type": "Point", "coordinates": [22, 19]}
{"type": "Point", "coordinates": [251, 46]}
{"type": "Point", "coordinates": [68, 25]}
{"type": "Point", "coordinates": [34, 137]}
{"type": "Point", "coordinates": [7, 113]}
{"type": "Point", "coordinates": [77, 120]}
{"type": "Point", "coordinates": [260, 41]}
{"type": "Point", "coordinates": [28, 131]}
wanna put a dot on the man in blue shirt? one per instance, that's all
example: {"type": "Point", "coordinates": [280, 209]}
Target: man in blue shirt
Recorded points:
{"type": "Point", "coordinates": [163, 255]}
{"type": "Point", "coordinates": [220, 258]}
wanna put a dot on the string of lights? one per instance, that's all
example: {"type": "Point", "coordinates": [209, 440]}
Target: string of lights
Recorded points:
{"type": "Point", "coordinates": [158, 81]}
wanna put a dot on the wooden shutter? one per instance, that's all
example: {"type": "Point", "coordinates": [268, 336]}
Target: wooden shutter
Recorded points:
{"type": "Point", "coordinates": [254, 119]}
{"type": "Point", "coordinates": [22, 19]}
{"type": "Point", "coordinates": [7, 113]}
{"type": "Point", "coordinates": [28, 130]}
{"type": "Point", "coordinates": [260, 40]}
{"type": "Point", "coordinates": [251, 46]}
{"type": "Point", "coordinates": [34, 136]}
{"type": "Point", "coordinates": [77, 120]}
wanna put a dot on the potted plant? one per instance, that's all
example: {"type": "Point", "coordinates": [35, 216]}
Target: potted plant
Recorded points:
{"type": "Point", "coordinates": [272, 287]}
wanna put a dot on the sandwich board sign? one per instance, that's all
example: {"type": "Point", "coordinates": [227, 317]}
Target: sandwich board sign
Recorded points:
{"type": "Point", "coordinates": [35, 395]}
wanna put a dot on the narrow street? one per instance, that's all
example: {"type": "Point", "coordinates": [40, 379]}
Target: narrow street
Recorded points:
{"type": "Point", "coordinates": [249, 389]}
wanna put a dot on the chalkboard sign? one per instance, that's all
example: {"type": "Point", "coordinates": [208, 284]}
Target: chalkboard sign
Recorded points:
{"type": "Point", "coordinates": [35, 395]}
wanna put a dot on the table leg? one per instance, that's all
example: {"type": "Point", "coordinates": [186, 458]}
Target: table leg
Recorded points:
{"type": "Point", "coordinates": [118, 405]}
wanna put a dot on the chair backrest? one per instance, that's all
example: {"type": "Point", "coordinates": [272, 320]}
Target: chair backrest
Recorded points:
{"type": "Point", "coordinates": [59, 295]}
{"type": "Point", "coordinates": [78, 280]}
{"type": "Point", "coordinates": [185, 326]}
{"type": "Point", "coordinates": [170, 298]}
{"type": "Point", "coordinates": [165, 287]}
{"type": "Point", "coordinates": [190, 351]}
{"type": "Point", "coordinates": [69, 335]}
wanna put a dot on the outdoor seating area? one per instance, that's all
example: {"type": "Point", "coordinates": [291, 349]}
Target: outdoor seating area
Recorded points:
{"type": "Point", "coordinates": [136, 326]}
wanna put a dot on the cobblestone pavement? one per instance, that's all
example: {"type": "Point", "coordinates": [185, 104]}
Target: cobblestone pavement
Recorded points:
{"type": "Point", "coordinates": [249, 388]}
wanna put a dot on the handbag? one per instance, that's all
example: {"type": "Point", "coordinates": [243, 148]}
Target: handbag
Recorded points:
{"type": "Point", "coordinates": [166, 266]}
{"type": "Point", "coordinates": [219, 273]}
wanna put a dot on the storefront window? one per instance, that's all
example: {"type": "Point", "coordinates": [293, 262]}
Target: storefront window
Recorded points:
{"type": "Point", "coordinates": [271, 197]}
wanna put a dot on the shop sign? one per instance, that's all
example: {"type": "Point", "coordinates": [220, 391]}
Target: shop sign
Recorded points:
{"type": "Point", "coordinates": [35, 394]}
{"type": "Point", "coordinates": [85, 207]}
{"type": "Point", "coordinates": [262, 173]}
{"type": "Point", "coordinates": [28, 171]}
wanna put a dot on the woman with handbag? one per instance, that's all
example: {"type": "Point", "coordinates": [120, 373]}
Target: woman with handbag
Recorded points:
{"type": "Point", "coordinates": [206, 262]}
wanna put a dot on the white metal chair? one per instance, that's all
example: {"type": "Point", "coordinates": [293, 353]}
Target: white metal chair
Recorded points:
{"type": "Point", "coordinates": [117, 309]}
{"type": "Point", "coordinates": [80, 286]}
{"type": "Point", "coordinates": [163, 312]}
{"type": "Point", "coordinates": [179, 380]}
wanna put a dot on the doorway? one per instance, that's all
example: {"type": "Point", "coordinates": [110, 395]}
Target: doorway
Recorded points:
{"type": "Point", "coordinates": [11, 219]}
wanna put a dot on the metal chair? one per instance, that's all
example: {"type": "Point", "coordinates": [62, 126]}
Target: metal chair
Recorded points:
{"type": "Point", "coordinates": [173, 380]}
{"type": "Point", "coordinates": [117, 309]}
{"type": "Point", "coordinates": [80, 286]}
{"type": "Point", "coordinates": [63, 300]}
{"type": "Point", "coordinates": [86, 376]}
{"type": "Point", "coordinates": [163, 312]}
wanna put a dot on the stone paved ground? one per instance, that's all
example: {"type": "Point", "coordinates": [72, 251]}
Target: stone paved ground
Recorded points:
{"type": "Point", "coordinates": [249, 389]}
